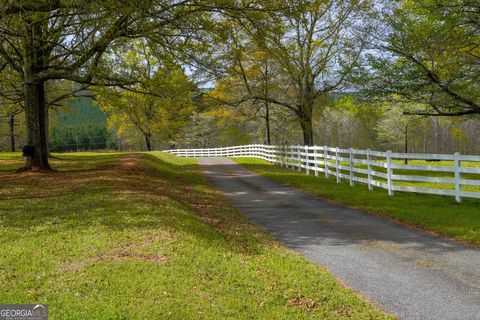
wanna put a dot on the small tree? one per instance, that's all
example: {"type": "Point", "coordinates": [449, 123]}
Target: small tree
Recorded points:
{"type": "Point", "coordinates": [396, 128]}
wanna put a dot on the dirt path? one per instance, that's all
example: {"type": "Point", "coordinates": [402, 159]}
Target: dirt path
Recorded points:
{"type": "Point", "coordinates": [407, 272]}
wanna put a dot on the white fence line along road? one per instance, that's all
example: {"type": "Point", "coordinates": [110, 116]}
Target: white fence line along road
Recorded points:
{"type": "Point", "coordinates": [374, 168]}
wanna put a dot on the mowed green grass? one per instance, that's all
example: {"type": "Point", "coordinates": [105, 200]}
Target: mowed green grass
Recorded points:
{"type": "Point", "coordinates": [118, 236]}
{"type": "Point", "coordinates": [439, 214]}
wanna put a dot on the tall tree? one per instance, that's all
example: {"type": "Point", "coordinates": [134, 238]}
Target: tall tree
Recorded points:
{"type": "Point", "coordinates": [315, 46]}
{"type": "Point", "coordinates": [239, 91]}
{"type": "Point", "coordinates": [9, 115]}
{"type": "Point", "coordinates": [45, 40]}
{"type": "Point", "coordinates": [51, 40]}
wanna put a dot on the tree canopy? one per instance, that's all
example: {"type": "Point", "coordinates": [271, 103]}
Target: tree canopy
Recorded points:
{"type": "Point", "coordinates": [431, 56]}
{"type": "Point", "coordinates": [325, 70]}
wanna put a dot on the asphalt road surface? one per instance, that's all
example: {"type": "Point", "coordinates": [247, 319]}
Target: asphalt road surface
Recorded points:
{"type": "Point", "coordinates": [406, 272]}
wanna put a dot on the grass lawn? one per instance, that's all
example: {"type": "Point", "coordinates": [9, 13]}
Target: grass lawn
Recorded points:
{"type": "Point", "coordinates": [439, 214]}
{"type": "Point", "coordinates": [144, 236]}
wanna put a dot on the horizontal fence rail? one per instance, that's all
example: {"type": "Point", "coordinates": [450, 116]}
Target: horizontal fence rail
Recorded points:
{"type": "Point", "coordinates": [375, 168]}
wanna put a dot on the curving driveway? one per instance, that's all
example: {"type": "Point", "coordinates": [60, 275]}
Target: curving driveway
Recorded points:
{"type": "Point", "coordinates": [407, 272]}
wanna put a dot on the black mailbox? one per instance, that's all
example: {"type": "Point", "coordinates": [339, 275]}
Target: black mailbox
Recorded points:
{"type": "Point", "coordinates": [28, 151]}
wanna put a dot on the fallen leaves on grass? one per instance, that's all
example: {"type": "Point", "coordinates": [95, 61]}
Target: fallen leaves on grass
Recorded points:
{"type": "Point", "coordinates": [304, 303]}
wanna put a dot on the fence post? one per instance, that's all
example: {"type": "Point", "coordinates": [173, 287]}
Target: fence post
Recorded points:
{"type": "Point", "coordinates": [315, 166]}
{"type": "Point", "coordinates": [278, 155]}
{"type": "Point", "coordinates": [337, 164]}
{"type": "Point", "coordinates": [299, 158]}
{"type": "Point", "coordinates": [285, 149]}
{"type": "Point", "coordinates": [458, 177]}
{"type": "Point", "coordinates": [389, 173]}
{"type": "Point", "coordinates": [352, 181]}
{"type": "Point", "coordinates": [369, 169]}
{"type": "Point", "coordinates": [325, 158]}
{"type": "Point", "coordinates": [291, 156]}
{"type": "Point", "coordinates": [307, 161]}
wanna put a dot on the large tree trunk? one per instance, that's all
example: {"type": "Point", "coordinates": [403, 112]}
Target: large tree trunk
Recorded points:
{"type": "Point", "coordinates": [307, 131]}
{"type": "Point", "coordinates": [148, 141]}
{"type": "Point", "coordinates": [305, 117]}
{"type": "Point", "coordinates": [36, 125]}
{"type": "Point", "coordinates": [34, 99]}
{"type": "Point", "coordinates": [305, 111]}
{"type": "Point", "coordinates": [11, 125]}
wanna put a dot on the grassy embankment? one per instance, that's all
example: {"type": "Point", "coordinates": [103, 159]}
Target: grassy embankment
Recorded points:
{"type": "Point", "coordinates": [439, 214]}
{"type": "Point", "coordinates": [115, 236]}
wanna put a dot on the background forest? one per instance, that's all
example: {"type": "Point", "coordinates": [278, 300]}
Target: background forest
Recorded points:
{"type": "Point", "coordinates": [396, 75]}
{"type": "Point", "coordinates": [82, 125]}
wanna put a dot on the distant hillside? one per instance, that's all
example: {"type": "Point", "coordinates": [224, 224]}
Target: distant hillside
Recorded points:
{"type": "Point", "coordinates": [82, 126]}
{"type": "Point", "coordinates": [81, 112]}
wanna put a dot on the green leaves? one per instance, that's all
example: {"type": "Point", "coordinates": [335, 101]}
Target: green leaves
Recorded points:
{"type": "Point", "coordinates": [157, 107]}
{"type": "Point", "coordinates": [434, 56]}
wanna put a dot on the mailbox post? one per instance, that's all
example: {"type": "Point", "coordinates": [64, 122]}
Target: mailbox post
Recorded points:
{"type": "Point", "coordinates": [28, 152]}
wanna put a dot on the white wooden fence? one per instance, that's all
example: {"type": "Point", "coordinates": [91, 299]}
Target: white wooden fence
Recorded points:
{"type": "Point", "coordinates": [373, 168]}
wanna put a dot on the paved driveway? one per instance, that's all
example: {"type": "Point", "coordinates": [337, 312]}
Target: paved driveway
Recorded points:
{"type": "Point", "coordinates": [407, 272]}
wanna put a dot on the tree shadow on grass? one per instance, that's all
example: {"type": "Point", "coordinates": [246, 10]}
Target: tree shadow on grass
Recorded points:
{"type": "Point", "coordinates": [145, 194]}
